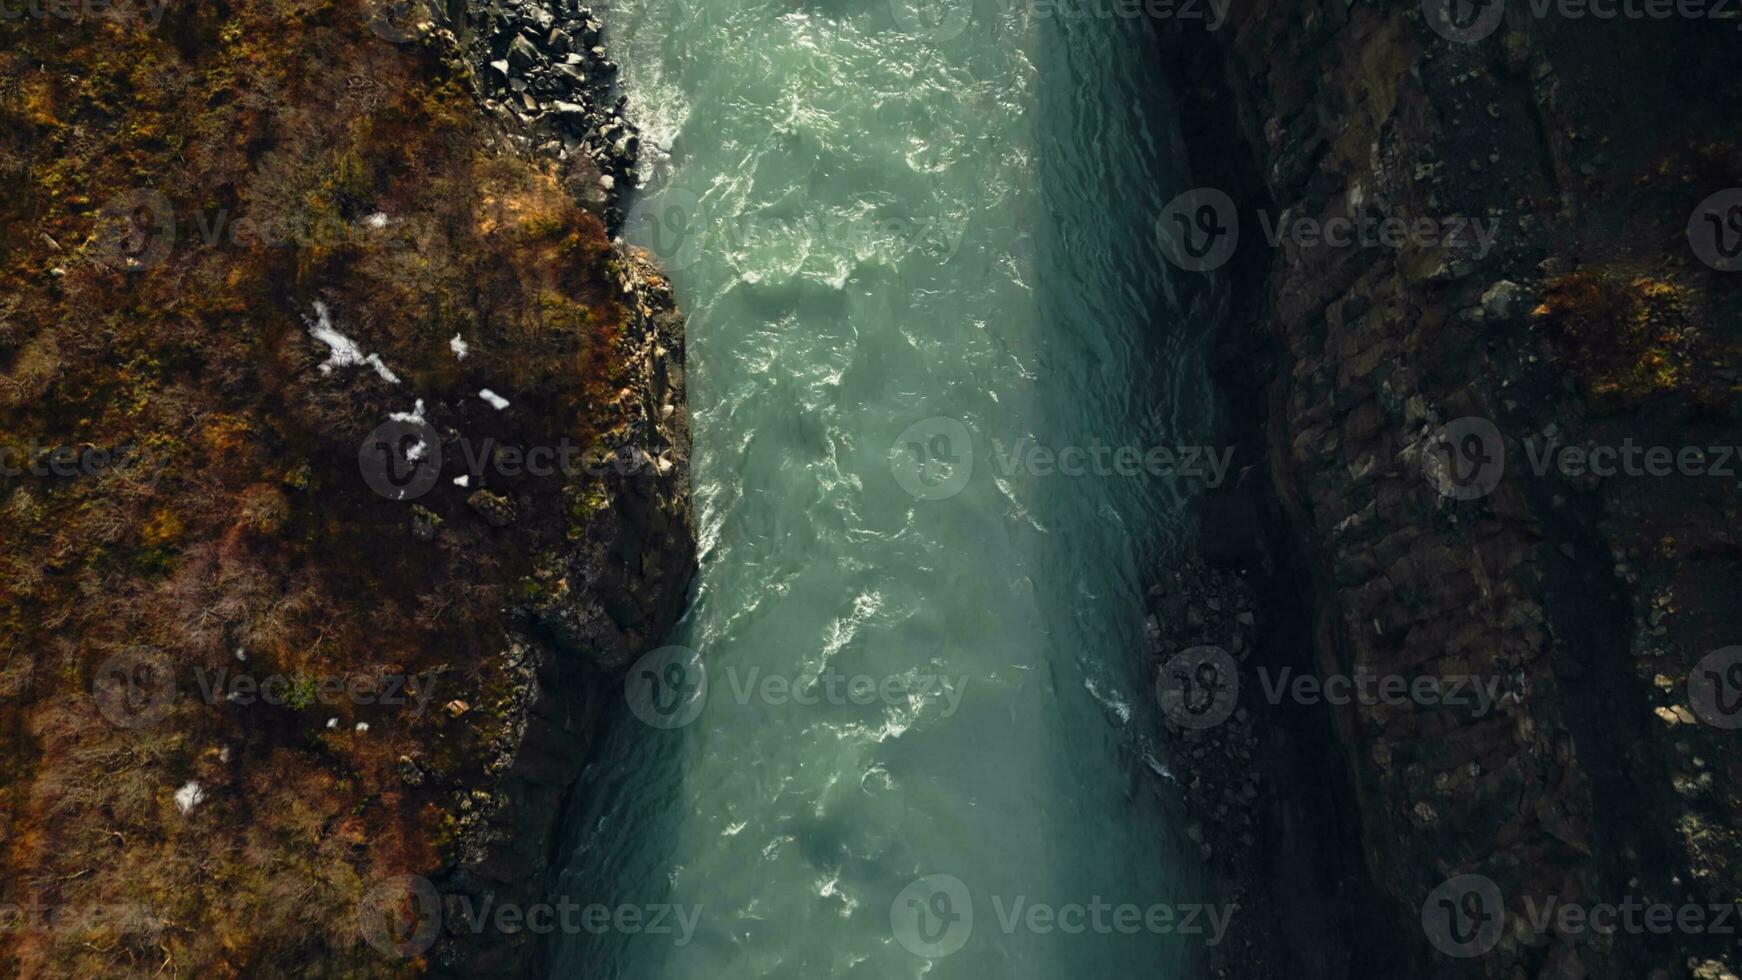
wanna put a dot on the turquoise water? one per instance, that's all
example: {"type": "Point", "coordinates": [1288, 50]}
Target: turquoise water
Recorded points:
{"type": "Point", "coordinates": [873, 227]}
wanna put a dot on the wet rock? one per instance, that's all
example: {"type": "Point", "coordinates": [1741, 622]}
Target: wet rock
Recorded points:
{"type": "Point", "coordinates": [521, 54]}
{"type": "Point", "coordinates": [425, 523]}
{"type": "Point", "coordinates": [495, 509]}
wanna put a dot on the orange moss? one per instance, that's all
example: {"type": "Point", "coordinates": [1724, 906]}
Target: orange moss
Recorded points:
{"type": "Point", "coordinates": [1628, 336]}
{"type": "Point", "coordinates": [239, 520]}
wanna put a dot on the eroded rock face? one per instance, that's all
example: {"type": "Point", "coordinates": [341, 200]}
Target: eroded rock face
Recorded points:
{"type": "Point", "coordinates": [1548, 286]}
{"type": "Point", "coordinates": [623, 581]}
{"type": "Point", "coordinates": [543, 71]}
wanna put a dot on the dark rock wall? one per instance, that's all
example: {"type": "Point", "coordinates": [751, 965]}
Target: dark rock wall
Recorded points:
{"type": "Point", "coordinates": [1584, 145]}
{"type": "Point", "coordinates": [542, 72]}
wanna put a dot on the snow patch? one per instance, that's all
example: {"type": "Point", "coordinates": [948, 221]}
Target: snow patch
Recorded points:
{"type": "Point", "coordinates": [496, 401]}
{"type": "Point", "coordinates": [189, 796]}
{"type": "Point", "coordinates": [344, 351]}
{"type": "Point", "coordinates": [415, 417]}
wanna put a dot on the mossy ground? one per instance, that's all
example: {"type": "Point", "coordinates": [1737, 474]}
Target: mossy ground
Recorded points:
{"type": "Point", "coordinates": [241, 520]}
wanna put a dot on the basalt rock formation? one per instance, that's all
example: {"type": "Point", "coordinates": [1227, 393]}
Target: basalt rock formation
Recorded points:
{"type": "Point", "coordinates": [1556, 279]}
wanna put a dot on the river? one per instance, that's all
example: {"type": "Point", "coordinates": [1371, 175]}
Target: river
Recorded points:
{"type": "Point", "coordinates": [913, 244]}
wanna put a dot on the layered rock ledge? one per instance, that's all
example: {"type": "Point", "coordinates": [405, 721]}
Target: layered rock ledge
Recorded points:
{"type": "Point", "coordinates": [1587, 319]}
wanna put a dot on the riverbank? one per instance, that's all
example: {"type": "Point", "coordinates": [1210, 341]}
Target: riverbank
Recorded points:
{"type": "Point", "coordinates": [301, 623]}
{"type": "Point", "coordinates": [1589, 318]}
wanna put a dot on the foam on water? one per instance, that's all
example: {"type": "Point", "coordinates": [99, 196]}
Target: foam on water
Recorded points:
{"type": "Point", "coordinates": [869, 229]}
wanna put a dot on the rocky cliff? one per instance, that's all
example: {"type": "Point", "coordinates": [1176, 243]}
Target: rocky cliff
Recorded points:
{"type": "Point", "coordinates": [1557, 285]}
{"type": "Point", "coordinates": [343, 465]}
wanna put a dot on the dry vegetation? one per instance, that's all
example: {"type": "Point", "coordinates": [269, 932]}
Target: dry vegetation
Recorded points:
{"type": "Point", "coordinates": [242, 521]}
{"type": "Point", "coordinates": [1628, 337]}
